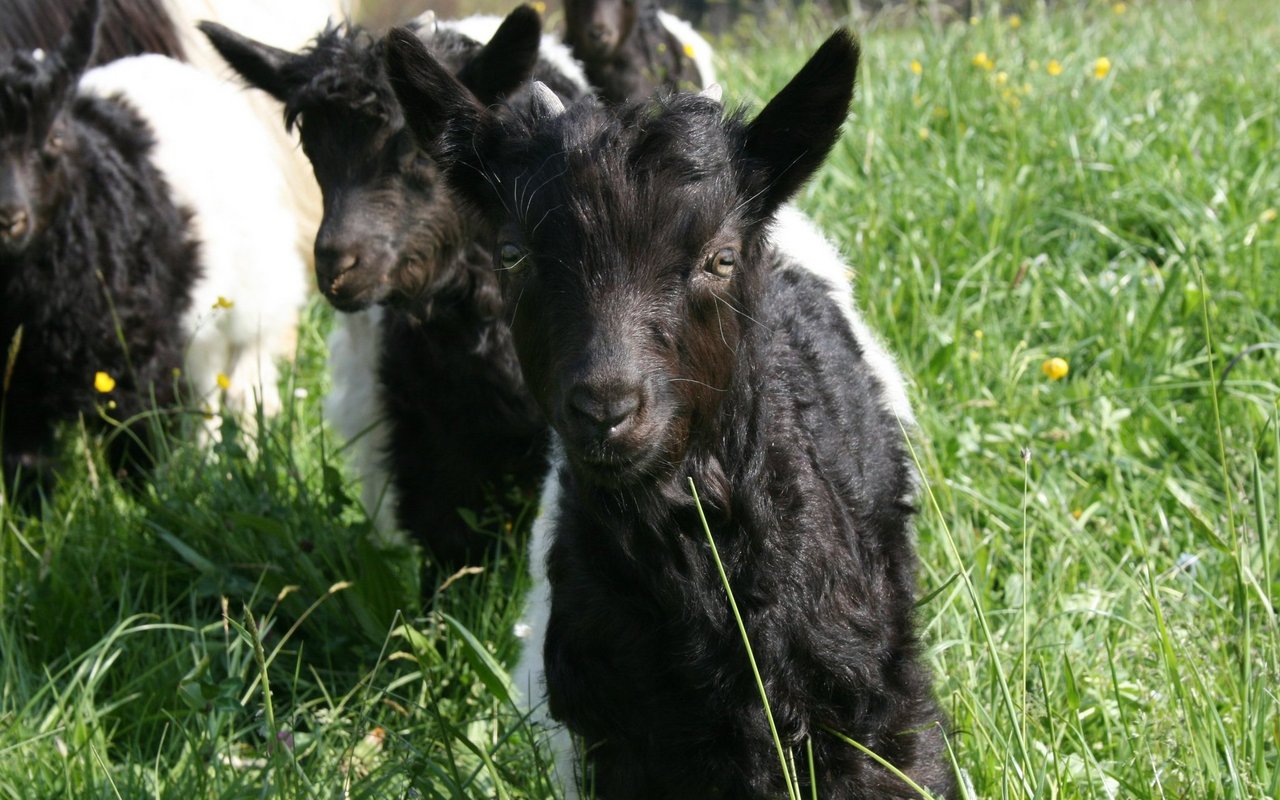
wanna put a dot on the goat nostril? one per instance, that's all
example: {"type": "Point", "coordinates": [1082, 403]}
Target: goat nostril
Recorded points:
{"type": "Point", "coordinates": [334, 267]}
{"type": "Point", "coordinates": [13, 224]}
{"type": "Point", "coordinates": [345, 262]}
{"type": "Point", "coordinates": [606, 410]}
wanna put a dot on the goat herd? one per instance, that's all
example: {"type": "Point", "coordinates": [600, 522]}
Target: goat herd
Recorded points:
{"type": "Point", "coordinates": [610, 297]}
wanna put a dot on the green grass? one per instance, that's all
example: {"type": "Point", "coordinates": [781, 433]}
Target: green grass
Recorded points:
{"type": "Point", "coordinates": [1100, 616]}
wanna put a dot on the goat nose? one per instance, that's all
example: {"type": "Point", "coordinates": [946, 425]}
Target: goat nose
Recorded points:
{"type": "Point", "coordinates": [333, 265]}
{"type": "Point", "coordinates": [607, 407]}
{"type": "Point", "coordinates": [14, 222]}
{"type": "Point", "coordinates": [599, 32]}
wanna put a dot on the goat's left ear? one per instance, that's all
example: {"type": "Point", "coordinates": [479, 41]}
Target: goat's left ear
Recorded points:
{"type": "Point", "coordinates": [507, 60]}
{"type": "Point", "coordinates": [431, 98]}
{"type": "Point", "coordinates": [790, 138]}
{"type": "Point", "coordinates": [81, 41]}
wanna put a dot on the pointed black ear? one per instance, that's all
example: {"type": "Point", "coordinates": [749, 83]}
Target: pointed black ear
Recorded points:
{"type": "Point", "coordinates": [81, 41]}
{"type": "Point", "coordinates": [791, 137]}
{"type": "Point", "coordinates": [431, 98]}
{"type": "Point", "coordinates": [259, 64]}
{"type": "Point", "coordinates": [507, 60]}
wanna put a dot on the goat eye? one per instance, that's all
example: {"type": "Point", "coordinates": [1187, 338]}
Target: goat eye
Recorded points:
{"type": "Point", "coordinates": [722, 263]}
{"type": "Point", "coordinates": [511, 256]}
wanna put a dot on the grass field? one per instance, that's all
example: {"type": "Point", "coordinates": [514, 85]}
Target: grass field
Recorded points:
{"type": "Point", "coordinates": [1099, 553]}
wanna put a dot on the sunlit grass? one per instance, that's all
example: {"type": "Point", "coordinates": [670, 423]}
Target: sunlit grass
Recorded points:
{"type": "Point", "coordinates": [1100, 616]}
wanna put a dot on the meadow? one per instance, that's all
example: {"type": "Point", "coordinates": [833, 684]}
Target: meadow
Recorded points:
{"type": "Point", "coordinates": [1099, 563]}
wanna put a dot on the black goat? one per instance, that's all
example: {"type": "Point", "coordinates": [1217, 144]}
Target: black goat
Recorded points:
{"type": "Point", "coordinates": [96, 260]}
{"type": "Point", "coordinates": [458, 417]}
{"type": "Point", "coordinates": [631, 48]}
{"type": "Point", "coordinates": [128, 27]}
{"type": "Point", "coordinates": [674, 322]}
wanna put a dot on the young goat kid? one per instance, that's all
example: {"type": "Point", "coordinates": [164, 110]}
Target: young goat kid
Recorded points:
{"type": "Point", "coordinates": [122, 219]}
{"type": "Point", "coordinates": [425, 379]}
{"type": "Point", "coordinates": [673, 323]}
{"type": "Point", "coordinates": [90, 239]}
{"type": "Point", "coordinates": [632, 48]}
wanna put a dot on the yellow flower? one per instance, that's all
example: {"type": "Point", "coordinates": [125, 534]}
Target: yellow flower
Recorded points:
{"type": "Point", "coordinates": [916, 67]}
{"type": "Point", "coordinates": [1015, 21]}
{"type": "Point", "coordinates": [983, 61]}
{"type": "Point", "coordinates": [224, 383]}
{"type": "Point", "coordinates": [924, 134]}
{"type": "Point", "coordinates": [223, 302]}
{"type": "Point", "coordinates": [1101, 67]}
{"type": "Point", "coordinates": [1267, 216]}
{"type": "Point", "coordinates": [688, 50]}
{"type": "Point", "coordinates": [1055, 369]}
{"type": "Point", "coordinates": [1002, 78]}
{"type": "Point", "coordinates": [1054, 68]}
{"type": "Point", "coordinates": [1119, 8]}
{"type": "Point", "coordinates": [973, 20]}
{"type": "Point", "coordinates": [539, 6]}
{"type": "Point", "coordinates": [1076, 513]}
{"type": "Point", "coordinates": [978, 334]}
{"type": "Point", "coordinates": [103, 382]}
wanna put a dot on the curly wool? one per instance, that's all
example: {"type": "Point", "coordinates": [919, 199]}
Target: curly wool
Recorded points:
{"type": "Point", "coordinates": [115, 261]}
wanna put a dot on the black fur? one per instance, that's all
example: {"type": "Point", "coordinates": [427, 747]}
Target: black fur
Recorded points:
{"type": "Point", "coordinates": [128, 28]}
{"type": "Point", "coordinates": [394, 234]}
{"type": "Point", "coordinates": [666, 336]}
{"type": "Point", "coordinates": [627, 52]}
{"type": "Point", "coordinates": [90, 239]}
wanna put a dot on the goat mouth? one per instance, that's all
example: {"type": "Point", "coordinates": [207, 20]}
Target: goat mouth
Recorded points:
{"type": "Point", "coordinates": [599, 48]}
{"type": "Point", "coordinates": [348, 301]}
{"type": "Point", "coordinates": [349, 291]}
{"type": "Point", "coordinates": [613, 464]}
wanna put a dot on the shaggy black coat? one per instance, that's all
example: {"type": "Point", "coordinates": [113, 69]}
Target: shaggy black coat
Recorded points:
{"type": "Point", "coordinates": [667, 336]}
{"type": "Point", "coordinates": [128, 27]}
{"type": "Point", "coordinates": [461, 419]}
{"type": "Point", "coordinates": [96, 270]}
{"type": "Point", "coordinates": [627, 52]}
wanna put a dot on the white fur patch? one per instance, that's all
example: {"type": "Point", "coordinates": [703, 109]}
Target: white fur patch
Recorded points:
{"type": "Point", "coordinates": [795, 235]}
{"type": "Point", "coordinates": [561, 59]}
{"type": "Point", "coordinates": [529, 676]}
{"type": "Point", "coordinates": [220, 164]}
{"type": "Point", "coordinates": [692, 41]}
{"type": "Point", "coordinates": [288, 24]}
{"type": "Point", "coordinates": [354, 407]}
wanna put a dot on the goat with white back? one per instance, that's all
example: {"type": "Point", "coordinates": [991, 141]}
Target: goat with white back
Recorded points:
{"type": "Point", "coordinates": [675, 321]}
{"type": "Point", "coordinates": [134, 243]}
{"type": "Point", "coordinates": [425, 381]}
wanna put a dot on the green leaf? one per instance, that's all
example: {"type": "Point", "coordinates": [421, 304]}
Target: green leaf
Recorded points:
{"type": "Point", "coordinates": [486, 667]}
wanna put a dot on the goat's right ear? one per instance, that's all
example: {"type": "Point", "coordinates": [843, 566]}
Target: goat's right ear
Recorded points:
{"type": "Point", "coordinates": [431, 98]}
{"type": "Point", "coordinates": [260, 64]}
{"type": "Point", "coordinates": [790, 138]}
{"type": "Point", "coordinates": [81, 41]}
{"type": "Point", "coordinates": [507, 60]}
